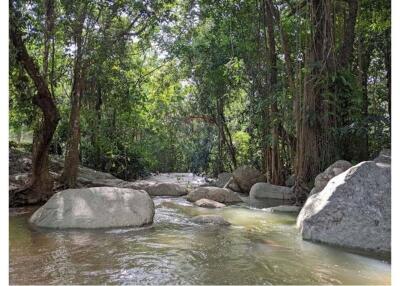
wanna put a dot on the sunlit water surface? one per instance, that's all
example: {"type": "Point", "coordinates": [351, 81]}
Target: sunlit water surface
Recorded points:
{"type": "Point", "coordinates": [258, 248]}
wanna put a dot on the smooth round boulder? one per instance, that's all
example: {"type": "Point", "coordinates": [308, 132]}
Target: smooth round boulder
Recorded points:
{"type": "Point", "coordinates": [166, 189]}
{"type": "Point", "coordinates": [220, 195]}
{"type": "Point", "coordinates": [269, 191]}
{"type": "Point", "coordinates": [206, 203]}
{"type": "Point", "coordinates": [246, 177]}
{"type": "Point", "coordinates": [210, 219]}
{"type": "Point", "coordinates": [353, 210]}
{"type": "Point", "coordinates": [99, 207]}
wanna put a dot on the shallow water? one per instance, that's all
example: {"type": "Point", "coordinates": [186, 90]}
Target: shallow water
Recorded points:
{"type": "Point", "coordinates": [258, 248]}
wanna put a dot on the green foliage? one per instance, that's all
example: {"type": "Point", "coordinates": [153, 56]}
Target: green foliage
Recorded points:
{"type": "Point", "coordinates": [163, 76]}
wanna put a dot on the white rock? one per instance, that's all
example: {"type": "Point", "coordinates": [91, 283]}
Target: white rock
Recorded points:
{"type": "Point", "coordinates": [100, 207]}
{"type": "Point", "coordinates": [333, 170]}
{"type": "Point", "coordinates": [213, 193]}
{"type": "Point", "coordinates": [206, 203]}
{"type": "Point", "coordinates": [353, 210]}
{"type": "Point", "coordinates": [269, 191]}
{"type": "Point", "coordinates": [166, 189]}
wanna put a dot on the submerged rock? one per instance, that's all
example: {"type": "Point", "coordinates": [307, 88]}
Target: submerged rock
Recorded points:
{"type": "Point", "coordinates": [210, 219]}
{"type": "Point", "coordinates": [285, 209]}
{"type": "Point", "coordinates": [246, 177]}
{"type": "Point", "coordinates": [269, 191]}
{"type": "Point", "coordinates": [166, 189]}
{"type": "Point", "coordinates": [353, 210]}
{"type": "Point", "coordinates": [206, 203]}
{"type": "Point", "coordinates": [213, 193]}
{"type": "Point", "coordinates": [333, 170]}
{"type": "Point", "coordinates": [100, 207]}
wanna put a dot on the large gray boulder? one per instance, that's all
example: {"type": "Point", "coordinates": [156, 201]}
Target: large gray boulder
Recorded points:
{"type": "Point", "coordinates": [166, 189]}
{"type": "Point", "coordinates": [352, 211]}
{"type": "Point", "coordinates": [333, 170]}
{"type": "Point", "coordinates": [213, 193]}
{"type": "Point", "coordinates": [100, 207]}
{"type": "Point", "coordinates": [246, 177]}
{"type": "Point", "coordinates": [269, 191]}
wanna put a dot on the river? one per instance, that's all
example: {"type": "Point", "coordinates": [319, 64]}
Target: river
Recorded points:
{"type": "Point", "coordinates": [258, 248]}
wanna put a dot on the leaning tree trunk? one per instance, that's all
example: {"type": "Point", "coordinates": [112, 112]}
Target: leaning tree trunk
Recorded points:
{"type": "Point", "coordinates": [40, 186]}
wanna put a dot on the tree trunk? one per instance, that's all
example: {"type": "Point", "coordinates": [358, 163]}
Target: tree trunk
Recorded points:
{"type": "Point", "coordinates": [71, 163]}
{"type": "Point", "coordinates": [364, 58]}
{"type": "Point", "coordinates": [220, 165]}
{"type": "Point", "coordinates": [40, 186]}
{"type": "Point", "coordinates": [346, 49]}
{"type": "Point", "coordinates": [388, 66]}
{"type": "Point", "coordinates": [315, 143]}
{"type": "Point", "coordinates": [276, 164]}
{"type": "Point", "coordinates": [228, 141]}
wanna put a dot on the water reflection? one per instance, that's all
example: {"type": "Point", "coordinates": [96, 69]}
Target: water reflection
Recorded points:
{"type": "Point", "coordinates": [258, 248]}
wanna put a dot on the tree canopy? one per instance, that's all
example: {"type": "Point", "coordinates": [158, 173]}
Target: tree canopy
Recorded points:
{"type": "Point", "coordinates": [202, 85]}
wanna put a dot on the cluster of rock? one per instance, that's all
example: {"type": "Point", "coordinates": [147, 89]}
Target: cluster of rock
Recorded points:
{"type": "Point", "coordinates": [354, 208]}
{"type": "Point", "coordinates": [349, 206]}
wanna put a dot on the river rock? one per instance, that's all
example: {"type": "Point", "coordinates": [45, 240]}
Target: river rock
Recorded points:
{"type": "Point", "coordinates": [290, 181]}
{"type": "Point", "coordinates": [384, 157]}
{"type": "Point", "coordinates": [269, 191]}
{"type": "Point", "coordinates": [220, 195]}
{"type": "Point", "coordinates": [333, 170]}
{"type": "Point", "coordinates": [206, 203]}
{"type": "Point", "coordinates": [210, 219]}
{"type": "Point", "coordinates": [100, 207]}
{"type": "Point", "coordinates": [353, 210]}
{"type": "Point", "coordinates": [247, 176]}
{"type": "Point", "coordinates": [234, 186]}
{"type": "Point", "coordinates": [223, 178]}
{"type": "Point", "coordinates": [284, 209]}
{"type": "Point", "coordinates": [166, 189]}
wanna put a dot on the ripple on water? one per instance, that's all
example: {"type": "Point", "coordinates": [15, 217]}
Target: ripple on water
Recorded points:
{"type": "Point", "coordinates": [258, 248]}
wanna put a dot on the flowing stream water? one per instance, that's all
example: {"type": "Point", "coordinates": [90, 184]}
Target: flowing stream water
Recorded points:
{"type": "Point", "coordinates": [259, 247]}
